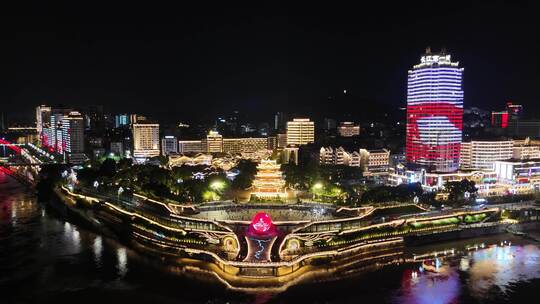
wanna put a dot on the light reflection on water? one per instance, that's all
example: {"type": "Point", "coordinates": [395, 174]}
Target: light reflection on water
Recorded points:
{"type": "Point", "coordinates": [495, 267]}
{"type": "Point", "coordinates": [428, 288]}
{"type": "Point", "coordinates": [501, 266]}
{"type": "Point", "coordinates": [121, 254]}
{"type": "Point", "coordinates": [98, 249]}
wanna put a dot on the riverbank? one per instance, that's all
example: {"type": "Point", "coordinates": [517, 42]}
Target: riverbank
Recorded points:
{"type": "Point", "coordinates": [249, 277]}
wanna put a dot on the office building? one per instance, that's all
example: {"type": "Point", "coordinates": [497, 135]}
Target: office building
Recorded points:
{"type": "Point", "coordinates": [72, 144]}
{"type": "Point", "coordinates": [169, 144]}
{"type": "Point", "coordinates": [499, 119]}
{"type": "Point", "coordinates": [511, 114]}
{"type": "Point", "coordinates": [281, 139]}
{"type": "Point", "coordinates": [300, 131]}
{"type": "Point", "coordinates": [43, 120]}
{"type": "Point", "coordinates": [145, 140]}
{"type": "Point", "coordinates": [245, 145]}
{"type": "Point", "coordinates": [435, 113]}
{"type": "Point", "coordinates": [121, 120]}
{"type": "Point", "coordinates": [213, 143]}
{"type": "Point", "coordinates": [348, 129]}
{"type": "Point", "coordinates": [525, 149]}
{"type": "Point", "coordinates": [190, 146]}
{"type": "Point", "coordinates": [51, 133]}
{"type": "Point", "coordinates": [371, 162]}
{"type": "Point", "coordinates": [378, 161]}
{"type": "Point", "coordinates": [519, 176]}
{"type": "Point", "coordinates": [481, 154]}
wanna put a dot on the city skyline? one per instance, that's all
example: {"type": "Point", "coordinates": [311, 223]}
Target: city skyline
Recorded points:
{"type": "Point", "coordinates": [290, 61]}
{"type": "Point", "coordinates": [267, 153]}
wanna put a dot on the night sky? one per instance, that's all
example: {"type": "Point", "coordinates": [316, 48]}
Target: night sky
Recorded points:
{"type": "Point", "coordinates": [177, 63]}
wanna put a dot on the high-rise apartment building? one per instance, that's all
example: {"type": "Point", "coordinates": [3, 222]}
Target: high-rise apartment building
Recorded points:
{"type": "Point", "coordinates": [145, 140]}
{"type": "Point", "coordinates": [51, 133]}
{"type": "Point", "coordinates": [43, 120]}
{"type": "Point", "coordinates": [300, 131]}
{"type": "Point", "coordinates": [435, 113]}
{"type": "Point", "coordinates": [72, 144]}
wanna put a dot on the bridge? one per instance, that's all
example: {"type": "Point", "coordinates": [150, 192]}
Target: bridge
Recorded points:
{"type": "Point", "coordinates": [12, 146]}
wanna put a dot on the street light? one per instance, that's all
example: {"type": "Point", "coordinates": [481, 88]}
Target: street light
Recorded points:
{"type": "Point", "coordinates": [217, 185]}
{"type": "Point", "coordinates": [96, 184]}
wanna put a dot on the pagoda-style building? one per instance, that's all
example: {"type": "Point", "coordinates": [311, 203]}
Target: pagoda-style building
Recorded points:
{"type": "Point", "coordinates": [269, 182]}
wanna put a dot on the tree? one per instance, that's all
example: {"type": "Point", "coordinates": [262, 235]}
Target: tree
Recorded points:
{"type": "Point", "coordinates": [245, 178]}
{"type": "Point", "coordinates": [457, 190]}
{"type": "Point", "coordinates": [108, 168]}
{"type": "Point", "coordinates": [124, 163]}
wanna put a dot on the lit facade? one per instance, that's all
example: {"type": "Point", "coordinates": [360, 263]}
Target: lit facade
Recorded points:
{"type": "Point", "coordinates": [121, 120]}
{"type": "Point", "coordinates": [213, 142]}
{"type": "Point", "coordinates": [499, 119]}
{"type": "Point", "coordinates": [485, 181]}
{"type": "Point", "coordinates": [371, 162]}
{"type": "Point", "coordinates": [281, 140]}
{"type": "Point", "coordinates": [520, 176]}
{"type": "Point", "coordinates": [145, 140]}
{"type": "Point", "coordinates": [190, 146]}
{"type": "Point", "coordinates": [435, 113]}
{"type": "Point", "coordinates": [51, 133]}
{"type": "Point", "coordinates": [43, 119]}
{"type": "Point", "coordinates": [269, 182]}
{"type": "Point", "coordinates": [348, 129]}
{"type": "Point", "coordinates": [72, 144]}
{"type": "Point", "coordinates": [525, 151]}
{"type": "Point", "coordinates": [246, 145]}
{"type": "Point", "coordinates": [300, 131]}
{"type": "Point", "coordinates": [378, 162]}
{"type": "Point", "coordinates": [480, 155]}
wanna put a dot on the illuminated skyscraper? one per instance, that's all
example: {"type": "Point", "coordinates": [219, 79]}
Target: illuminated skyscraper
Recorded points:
{"type": "Point", "coordinates": [43, 120]}
{"type": "Point", "coordinates": [145, 140]}
{"type": "Point", "coordinates": [72, 144]}
{"type": "Point", "coordinates": [300, 131]}
{"type": "Point", "coordinates": [435, 113]}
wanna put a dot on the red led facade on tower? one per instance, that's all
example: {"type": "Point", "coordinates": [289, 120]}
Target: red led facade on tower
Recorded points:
{"type": "Point", "coordinates": [435, 113]}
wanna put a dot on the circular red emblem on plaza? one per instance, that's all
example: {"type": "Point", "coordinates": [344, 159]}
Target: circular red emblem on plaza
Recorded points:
{"type": "Point", "coordinates": [261, 224]}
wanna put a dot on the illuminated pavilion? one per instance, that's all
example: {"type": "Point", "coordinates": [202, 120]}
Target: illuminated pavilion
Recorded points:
{"type": "Point", "coordinates": [269, 182]}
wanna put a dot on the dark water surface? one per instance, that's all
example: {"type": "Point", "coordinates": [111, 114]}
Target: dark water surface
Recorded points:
{"type": "Point", "coordinates": [44, 259]}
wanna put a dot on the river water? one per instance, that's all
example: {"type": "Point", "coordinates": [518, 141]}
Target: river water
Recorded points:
{"type": "Point", "coordinates": [44, 259]}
